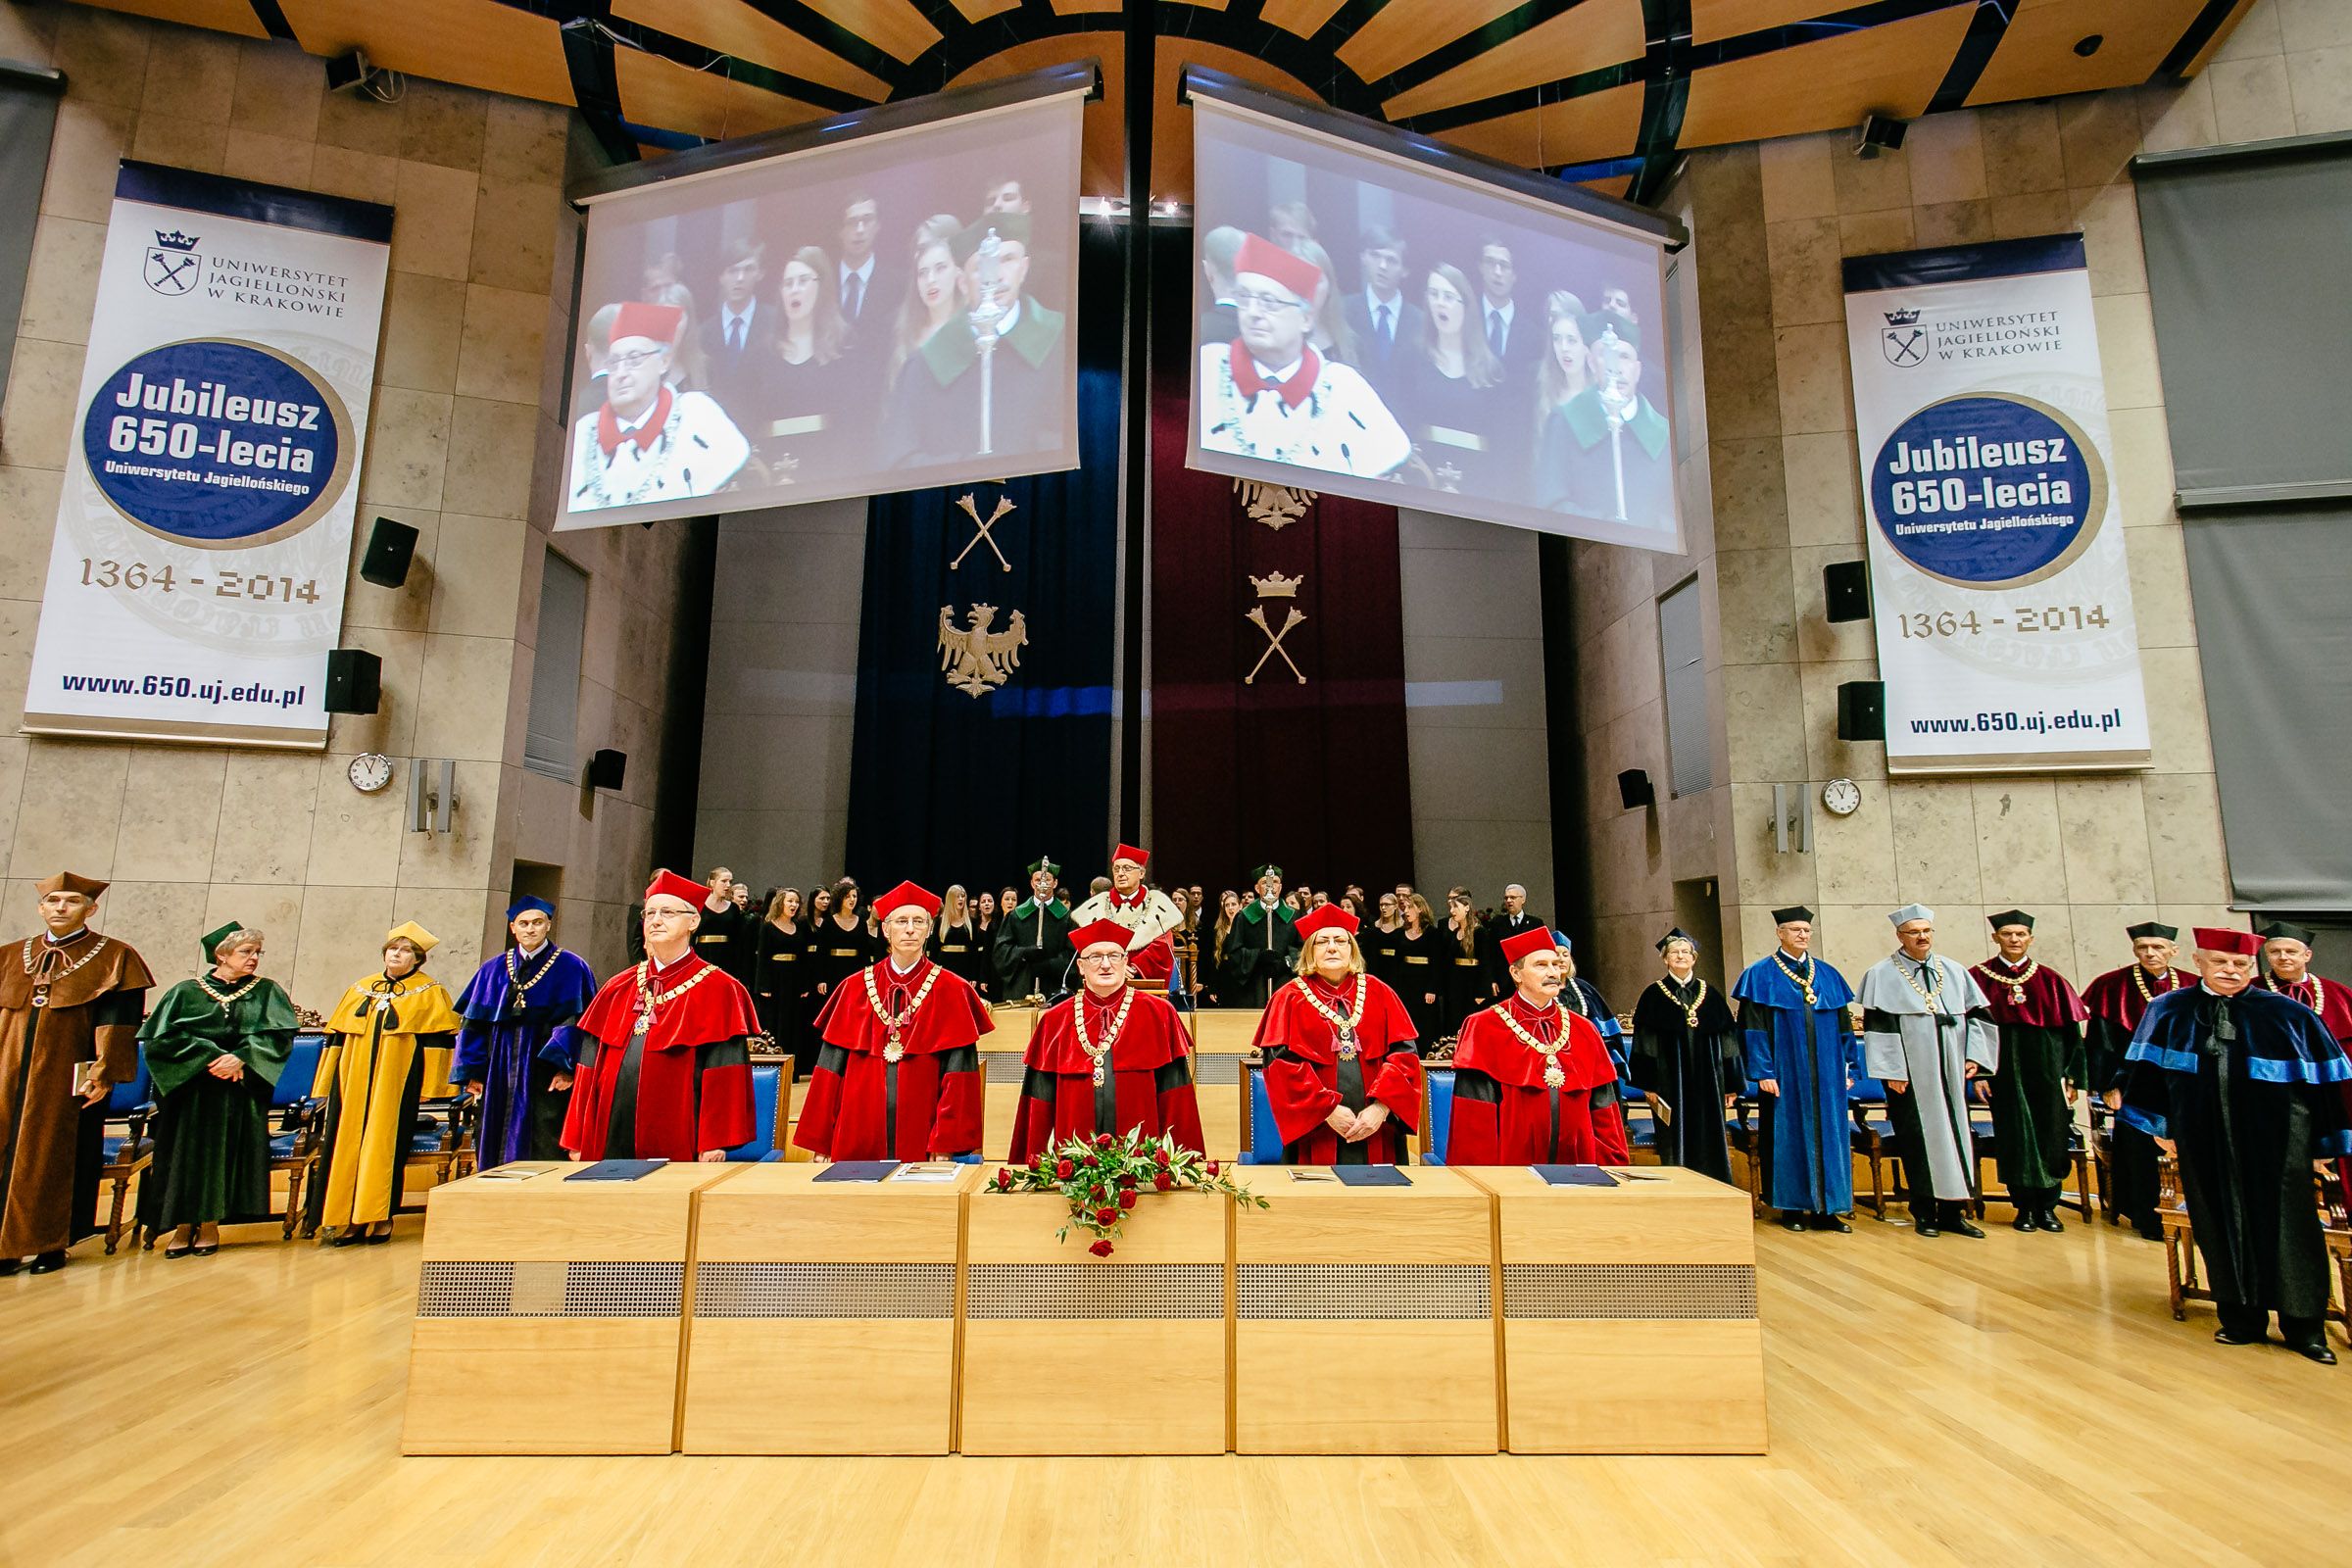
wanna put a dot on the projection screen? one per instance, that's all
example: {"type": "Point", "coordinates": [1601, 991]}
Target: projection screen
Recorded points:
{"type": "Point", "coordinates": [1404, 327]}
{"type": "Point", "coordinates": [866, 310]}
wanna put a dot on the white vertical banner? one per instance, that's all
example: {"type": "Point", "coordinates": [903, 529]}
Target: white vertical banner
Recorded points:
{"type": "Point", "coordinates": [204, 528]}
{"type": "Point", "coordinates": [2001, 589]}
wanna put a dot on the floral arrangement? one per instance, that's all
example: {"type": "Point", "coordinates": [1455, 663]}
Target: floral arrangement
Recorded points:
{"type": "Point", "coordinates": [1101, 1177]}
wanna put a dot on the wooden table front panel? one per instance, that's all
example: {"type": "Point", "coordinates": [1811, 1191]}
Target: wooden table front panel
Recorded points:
{"type": "Point", "coordinates": [547, 1313]}
{"type": "Point", "coordinates": [1067, 1353]}
{"type": "Point", "coordinates": [1364, 1316]}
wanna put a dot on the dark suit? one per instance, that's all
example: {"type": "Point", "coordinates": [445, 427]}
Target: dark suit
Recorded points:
{"type": "Point", "coordinates": [736, 374]}
{"type": "Point", "coordinates": [1380, 359]}
{"type": "Point", "coordinates": [1513, 434]}
{"type": "Point", "coordinates": [1220, 324]}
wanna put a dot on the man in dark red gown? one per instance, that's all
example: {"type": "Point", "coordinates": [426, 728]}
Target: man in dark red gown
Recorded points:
{"type": "Point", "coordinates": [1533, 1084]}
{"type": "Point", "coordinates": [666, 1068]}
{"type": "Point", "coordinates": [2117, 1001]}
{"type": "Point", "coordinates": [2287, 966]}
{"type": "Point", "coordinates": [1343, 1073]}
{"type": "Point", "coordinates": [1110, 1059]}
{"type": "Point", "coordinates": [898, 1072]}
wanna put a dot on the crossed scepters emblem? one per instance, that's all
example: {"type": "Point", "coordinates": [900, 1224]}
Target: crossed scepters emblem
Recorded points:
{"type": "Point", "coordinates": [972, 510]}
{"type": "Point", "coordinates": [1290, 623]}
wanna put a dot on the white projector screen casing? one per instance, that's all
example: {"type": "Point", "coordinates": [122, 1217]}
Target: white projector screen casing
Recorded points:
{"type": "Point", "coordinates": [889, 410]}
{"type": "Point", "coordinates": [1476, 452]}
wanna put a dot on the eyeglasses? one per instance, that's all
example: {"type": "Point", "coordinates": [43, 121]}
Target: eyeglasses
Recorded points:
{"type": "Point", "coordinates": [630, 362]}
{"type": "Point", "coordinates": [1101, 957]}
{"type": "Point", "coordinates": [1266, 303]}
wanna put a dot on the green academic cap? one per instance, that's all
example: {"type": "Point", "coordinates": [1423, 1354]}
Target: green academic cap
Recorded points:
{"type": "Point", "coordinates": [213, 939]}
{"type": "Point", "coordinates": [1045, 862]}
{"type": "Point", "coordinates": [1609, 323]}
{"type": "Point", "coordinates": [1009, 225]}
{"type": "Point", "coordinates": [1264, 872]}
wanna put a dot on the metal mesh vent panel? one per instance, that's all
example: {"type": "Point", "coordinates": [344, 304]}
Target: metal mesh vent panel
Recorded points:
{"type": "Point", "coordinates": [1012, 1291]}
{"type": "Point", "coordinates": [1207, 1069]}
{"type": "Point", "coordinates": [825, 1290]}
{"type": "Point", "coordinates": [1365, 1292]}
{"type": "Point", "coordinates": [551, 1289]}
{"type": "Point", "coordinates": [1002, 1067]}
{"type": "Point", "coordinates": [1689, 1291]}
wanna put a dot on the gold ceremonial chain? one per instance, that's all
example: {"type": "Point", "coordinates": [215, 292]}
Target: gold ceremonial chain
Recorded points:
{"type": "Point", "coordinates": [237, 994]}
{"type": "Point", "coordinates": [1343, 1027]}
{"type": "Point", "coordinates": [1932, 994]}
{"type": "Point", "coordinates": [2317, 1002]}
{"type": "Point", "coordinates": [1690, 1011]}
{"type": "Point", "coordinates": [646, 1001]}
{"type": "Point", "coordinates": [383, 998]}
{"type": "Point", "coordinates": [1803, 982]}
{"type": "Point", "coordinates": [40, 988]}
{"type": "Point", "coordinates": [2139, 978]}
{"type": "Point", "coordinates": [1094, 1053]}
{"type": "Point", "coordinates": [514, 977]}
{"type": "Point", "coordinates": [2016, 983]}
{"type": "Point", "coordinates": [892, 1051]}
{"type": "Point", "coordinates": [1553, 1075]}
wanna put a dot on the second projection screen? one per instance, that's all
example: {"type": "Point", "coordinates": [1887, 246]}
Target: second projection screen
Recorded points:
{"type": "Point", "coordinates": [1372, 326]}
{"type": "Point", "coordinates": [888, 313]}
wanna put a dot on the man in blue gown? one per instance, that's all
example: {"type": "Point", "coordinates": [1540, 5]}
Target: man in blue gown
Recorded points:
{"type": "Point", "coordinates": [515, 1049]}
{"type": "Point", "coordinates": [1801, 1051]}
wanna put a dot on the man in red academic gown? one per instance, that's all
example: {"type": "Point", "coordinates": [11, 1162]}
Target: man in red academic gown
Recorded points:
{"type": "Point", "coordinates": [1148, 914]}
{"type": "Point", "coordinates": [2117, 1001]}
{"type": "Point", "coordinates": [1533, 1084]}
{"type": "Point", "coordinates": [666, 1068]}
{"type": "Point", "coordinates": [2287, 959]}
{"type": "Point", "coordinates": [1342, 1072]}
{"type": "Point", "coordinates": [1110, 1059]}
{"type": "Point", "coordinates": [898, 1072]}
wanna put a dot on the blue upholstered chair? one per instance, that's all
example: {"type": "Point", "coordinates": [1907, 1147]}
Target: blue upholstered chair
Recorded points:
{"type": "Point", "coordinates": [127, 1146]}
{"type": "Point", "coordinates": [293, 1107]}
{"type": "Point", "coordinates": [1872, 1133]}
{"type": "Point", "coordinates": [1437, 1113]}
{"type": "Point", "coordinates": [767, 1134]}
{"type": "Point", "coordinates": [1266, 1139]}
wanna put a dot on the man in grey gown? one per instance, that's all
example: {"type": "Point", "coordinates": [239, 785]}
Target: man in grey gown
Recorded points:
{"type": "Point", "coordinates": [1925, 1035]}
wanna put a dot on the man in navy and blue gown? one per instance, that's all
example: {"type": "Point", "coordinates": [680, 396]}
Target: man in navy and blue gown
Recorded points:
{"type": "Point", "coordinates": [516, 1049]}
{"type": "Point", "coordinates": [1801, 1053]}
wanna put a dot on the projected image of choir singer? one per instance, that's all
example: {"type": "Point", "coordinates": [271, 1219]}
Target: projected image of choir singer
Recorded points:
{"type": "Point", "coordinates": [1606, 454]}
{"type": "Point", "coordinates": [649, 441]}
{"type": "Point", "coordinates": [1269, 395]}
{"type": "Point", "coordinates": [809, 375]}
{"type": "Point", "coordinates": [993, 381]}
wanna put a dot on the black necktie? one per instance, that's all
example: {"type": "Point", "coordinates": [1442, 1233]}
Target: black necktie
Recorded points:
{"type": "Point", "coordinates": [852, 295]}
{"type": "Point", "coordinates": [735, 335]}
{"type": "Point", "coordinates": [1387, 338]}
{"type": "Point", "coordinates": [1494, 332]}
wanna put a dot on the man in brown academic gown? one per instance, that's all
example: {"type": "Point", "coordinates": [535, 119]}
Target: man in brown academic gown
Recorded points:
{"type": "Point", "coordinates": [71, 1003]}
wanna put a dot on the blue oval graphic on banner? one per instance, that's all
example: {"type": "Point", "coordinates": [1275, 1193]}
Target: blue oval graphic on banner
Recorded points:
{"type": "Point", "coordinates": [214, 443]}
{"type": "Point", "coordinates": [1987, 490]}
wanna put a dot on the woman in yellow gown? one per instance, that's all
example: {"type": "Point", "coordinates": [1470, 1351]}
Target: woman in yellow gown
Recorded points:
{"type": "Point", "coordinates": [388, 1046]}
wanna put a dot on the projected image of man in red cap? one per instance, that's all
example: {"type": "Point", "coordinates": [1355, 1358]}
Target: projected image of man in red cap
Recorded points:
{"type": "Point", "coordinates": [650, 441]}
{"type": "Point", "coordinates": [666, 1066]}
{"type": "Point", "coordinates": [898, 1072]}
{"type": "Point", "coordinates": [1533, 1084]}
{"type": "Point", "coordinates": [1268, 394]}
{"type": "Point", "coordinates": [1342, 1072]}
{"type": "Point", "coordinates": [1110, 1059]}
{"type": "Point", "coordinates": [1146, 913]}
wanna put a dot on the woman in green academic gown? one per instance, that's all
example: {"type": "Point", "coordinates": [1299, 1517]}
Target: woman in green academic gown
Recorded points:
{"type": "Point", "coordinates": [214, 1046]}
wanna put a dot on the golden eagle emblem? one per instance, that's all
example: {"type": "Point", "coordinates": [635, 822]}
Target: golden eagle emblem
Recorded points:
{"type": "Point", "coordinates": [976, 659]}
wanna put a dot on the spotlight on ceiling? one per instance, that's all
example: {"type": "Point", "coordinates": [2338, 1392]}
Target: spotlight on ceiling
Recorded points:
{"type": "Point", "coordinates": [1879, 133]}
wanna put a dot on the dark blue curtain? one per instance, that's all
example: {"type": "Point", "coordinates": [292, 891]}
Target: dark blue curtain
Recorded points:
{"type": "Point", "coordinates": [947, 787]}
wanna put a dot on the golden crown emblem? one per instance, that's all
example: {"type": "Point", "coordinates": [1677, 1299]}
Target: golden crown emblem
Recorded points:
{"type": "Point", "coordinates": [1277, 586]}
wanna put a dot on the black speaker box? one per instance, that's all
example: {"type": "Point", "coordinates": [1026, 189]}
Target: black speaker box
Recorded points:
{"type": "Point", "coordinates": [354, 681]}
{"type": "Point", "coordinates": [1845, 589]}
{"type": "Point", "coordinates": [607, 768]}
{"type": "Point", "coordinates": [1635, 789]}
{"type": "Point", "coordinates": [1862, 711]}
{"type": "Point", "coordinates": [390, 547]}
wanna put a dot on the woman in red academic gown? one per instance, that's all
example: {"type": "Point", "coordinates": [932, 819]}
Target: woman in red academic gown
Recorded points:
{"type": "Point", "coordinates": [898, 1075]}
{"type": "Point", "coordinates": [1343, 1075]}
{"type": "Point", "coordinates": [1533, 1084]}
{"type": "Point", "coordinates": [666, 1068]}
{"type": "Point", "coordinates": [1110, 1059]}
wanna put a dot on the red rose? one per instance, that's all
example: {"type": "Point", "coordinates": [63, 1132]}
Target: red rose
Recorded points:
{"type": "Point", "coordinates": [1211, 1167]}
{"type": "Point", "coordinates": [1102, 1140]}
{"type": "Point", "coordinates": [1127, 1184]}
{"type": "Point", "coordinates": [1100, 1248]}
{"type": "Point", "coordinates": [1004, 1178]}
{"type": "Point", "coordinates": [1159, 1157]}
{"type": "Point", "coordinates": [1126, 1199]}
{"type": "Point", "coordinates": [1106, 1216]}
{"type": "Point", "coordinates": [1163, 1181]}
{"type": "Point", "coordinates": [1065, 1171]}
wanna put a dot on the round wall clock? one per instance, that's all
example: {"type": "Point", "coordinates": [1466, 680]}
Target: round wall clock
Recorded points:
{"type": "Point", "coordinates": [369, 771]}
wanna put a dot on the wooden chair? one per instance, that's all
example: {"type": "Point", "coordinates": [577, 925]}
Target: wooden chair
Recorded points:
{"type": "Point", "coordinates": [2335, 1224]}
{"type": "Point", "coordinates": [131, 1151]}
{"type": "Point", "coordinates": [1872, 1135]}
{"type": "Point", "coordinates": [2180, 1245]}
{"type": "Point", "coordinates": [1745, 1131]}
{"type": "Point", "coordinates": [294, 1145]}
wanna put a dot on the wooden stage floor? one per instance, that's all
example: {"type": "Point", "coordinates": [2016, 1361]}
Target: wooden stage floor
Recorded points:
{"type": "Point", "coordinates": [2023, 1400]}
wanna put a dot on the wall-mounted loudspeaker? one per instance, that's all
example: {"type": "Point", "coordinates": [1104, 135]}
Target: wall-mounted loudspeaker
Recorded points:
{"type": "Point", "coordinates": [1879, 133]}
{"type": "Point", "coordinates": [607, 768]}
{"type": "Point", "coordinates": [1845, 589]}
{"type": "Point", "coordinates": [354, 681]}
{"type": "Point", "coordinates": [1635, 789]}
{"type": "Point", "coordinates": [390, 547]}
{"type": "Point", "coordinates": [1862, 711]}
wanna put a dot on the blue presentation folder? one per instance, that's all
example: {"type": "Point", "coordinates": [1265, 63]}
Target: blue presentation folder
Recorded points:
{"type": "Point", "coordinates": [1371, 1176]}
{"type": "Point", "coordinates": [1574, 1175]}
{"type": "Point", "coordinates": [616, 1170]}
{"type": "Point", "coordinates": [857, 1170]}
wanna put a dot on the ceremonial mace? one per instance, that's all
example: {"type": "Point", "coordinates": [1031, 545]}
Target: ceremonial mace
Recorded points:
{"type": "Point", "coordinates": [985, 314]}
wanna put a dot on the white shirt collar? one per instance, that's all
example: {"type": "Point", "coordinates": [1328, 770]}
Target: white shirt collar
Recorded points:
{"type": "Point", "coordinates": [863, 272]}
{"type": "Point", "coordinates": [728, 315]}
{"type": "Point", "coordinates": [1269, 374]}
{"type": "Point", "coordinates": [1004, 323]}
{"type": "Point", "coordinates": [629, 426]}
{"type": "Point", "coordinates": [1373, 303]}
{"type": "Point", "coordinates": [1503, 310]}
{"type": "Point", "coordinates": [907, 969]}
{"type": "Point", "coordinates": [525, 953]}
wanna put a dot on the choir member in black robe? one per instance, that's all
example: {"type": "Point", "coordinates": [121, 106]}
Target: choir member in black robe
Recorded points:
{"type": "Point", "coordinates": [2042, 1070]}
{"type": "Point", "coordinates": [1108, 1059]}
{"type": "Point", "coordinates": [1343, 1068]}
{"type": "Point", "coordinates": [1379, 942]}
{"type": "Point", "coordinates": [1264, 945]}
{"type": "Point", "coordinates": [1033, 953]}
{"type": "Point", "coordinates": [1472, 961]}
{"type": "Point", "coordinates": [1533, 1085]}
{"type": "Point", "coordinates": [1421, 968]}
{"type": "Point", "coordinates": [781, 966]}
{"type": "Point", "coordinates": [839, 945]}
{"type": "Point", "coordinates": [2116, 1002]}
{"type": "Point", "coordinates": [1685, 1061]}
{"type": "Point", "coordinates": [957, 944]}
{"type": "Point", "coordinates": [1512, 921]}
{"type": "Point", "coordinates": [2245, 1087]}
{"type": "Point", "coordinates": [724, 937]}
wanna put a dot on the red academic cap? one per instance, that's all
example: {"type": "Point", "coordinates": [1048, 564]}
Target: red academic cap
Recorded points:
{"type": "Point", "coordinates": [1269, 260]}
{"type": "Point", "coordinates": [1326, 917]}
{"type": "Point", "coordinates": [658, 323]}
{"type": "Point", "coordinates": [906, 896]}
{"type": "Point", "coordinates": [1097, 931]}
{"type": "Point", "coordinates": [1128, 852]}
{"type": "Point", "coordinates": [693, 894]}
{"type": "Point", "coordinates": [2227, 939]}
{"type": "Point", "coordinates": [1526, 942]}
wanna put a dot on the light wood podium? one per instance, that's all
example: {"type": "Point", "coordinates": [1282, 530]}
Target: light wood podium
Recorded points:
{"type": "Point", "coordinates": [1067, 1353]}
{"type": "Point", "coordinates": [548, 1312]}
{"type": "Point", "coordinates": [1001, 1071]}
{"type": "Point", "coordinates": [1629, 1313]}
{"type": "Point", "coordinates": [824, 1313]}
{"type": "Point", "coordinates": [1220, 1041]}
{"type": "Point", "coordinates": [1338, 1285]}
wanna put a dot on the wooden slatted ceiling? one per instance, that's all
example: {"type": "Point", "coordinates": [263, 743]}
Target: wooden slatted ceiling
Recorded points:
{"type": "Point", "coordinates": [734, 28]}
{"type": "Point", "coordinates": [982, 10]}
{"type": "Point", "coordinates": [897, 27]}
{"type": "Point", "coordinates": [1596, 33]}
{"type": "Point", "coordinates": [1714, 20]}
{"type": "Point", "coordinates": [1306, 18]}
{"type": "Point", "coordinates": [474, 43]}
{"type": "Point", "coordinates": [2037, 57]}
{"type": "Point", "coordinates": [655, 92]}
{"type": "Point", "coordinates": [219, 16]}
{"type": "Point", "coordinates": [1576, 130]}
{"type": "Point", "coordinates": [1401, 31]}
{"type": "Point", "coordinates": [1893, 68]}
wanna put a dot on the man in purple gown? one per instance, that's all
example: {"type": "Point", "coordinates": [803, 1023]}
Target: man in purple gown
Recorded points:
{"type": "Point", "coordinates": [515, 1049]}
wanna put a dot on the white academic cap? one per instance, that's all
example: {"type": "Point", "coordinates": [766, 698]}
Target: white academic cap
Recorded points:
{"type": "Point", "coordinates": [1910, 913]}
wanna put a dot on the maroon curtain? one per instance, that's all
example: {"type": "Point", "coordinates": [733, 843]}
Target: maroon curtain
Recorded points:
{"type": "Point", "coordinates": [1310, 775]}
